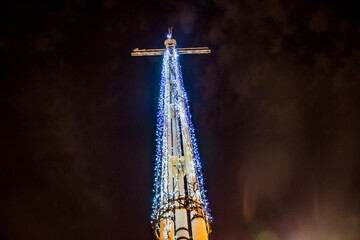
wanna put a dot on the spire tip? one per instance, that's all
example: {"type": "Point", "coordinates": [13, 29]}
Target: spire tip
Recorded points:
{"type": "Point", "coordinates": [169, 35]}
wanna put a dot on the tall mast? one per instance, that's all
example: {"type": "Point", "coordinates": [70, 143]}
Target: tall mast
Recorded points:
{"type": "Point", "coordinates": [180, 207]}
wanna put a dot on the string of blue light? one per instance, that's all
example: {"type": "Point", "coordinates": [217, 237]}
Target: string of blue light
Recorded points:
{"type": "Point", "coordinates": [171, 62]}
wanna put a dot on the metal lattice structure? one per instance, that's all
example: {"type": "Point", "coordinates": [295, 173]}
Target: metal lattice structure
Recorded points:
{"type": "Point", "coordinates": [180, 207]}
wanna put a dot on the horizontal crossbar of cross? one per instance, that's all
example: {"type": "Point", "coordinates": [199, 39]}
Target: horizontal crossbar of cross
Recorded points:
{"type": "Point", "coordinates": [155, 52]}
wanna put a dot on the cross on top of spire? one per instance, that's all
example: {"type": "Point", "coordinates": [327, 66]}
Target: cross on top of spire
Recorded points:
{"type": "Point", "coordinates": [170, 43]}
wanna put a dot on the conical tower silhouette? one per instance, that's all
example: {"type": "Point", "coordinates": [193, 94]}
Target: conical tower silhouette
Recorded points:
{"type": "Point", "coordinates": [180, 207]}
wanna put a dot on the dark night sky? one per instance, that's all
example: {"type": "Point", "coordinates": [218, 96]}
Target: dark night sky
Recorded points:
{"type": "Point", "coordinates": [275, 106]}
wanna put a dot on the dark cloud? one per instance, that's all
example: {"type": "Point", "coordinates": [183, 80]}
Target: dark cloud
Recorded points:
{"type": "Point", "coordinates": [275, 108]}
{"type": "Point", "coordinates": [282, 111]}
{"type": "Point", "coordinates": [187, 17]}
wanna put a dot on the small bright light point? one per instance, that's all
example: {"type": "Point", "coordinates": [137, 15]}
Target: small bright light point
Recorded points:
{"type": "Point", "coordinates": [168, 35]}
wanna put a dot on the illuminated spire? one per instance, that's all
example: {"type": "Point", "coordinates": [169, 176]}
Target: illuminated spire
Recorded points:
{"type": "Point", "coordinates": [180, 207]}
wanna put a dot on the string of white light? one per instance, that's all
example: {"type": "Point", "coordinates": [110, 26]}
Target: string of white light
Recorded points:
{"type": "Point", "coordinates": [171, 75]}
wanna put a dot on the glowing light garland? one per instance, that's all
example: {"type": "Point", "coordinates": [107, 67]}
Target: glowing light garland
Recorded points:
{"type": "Point", "coordinates": [171, 75]}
